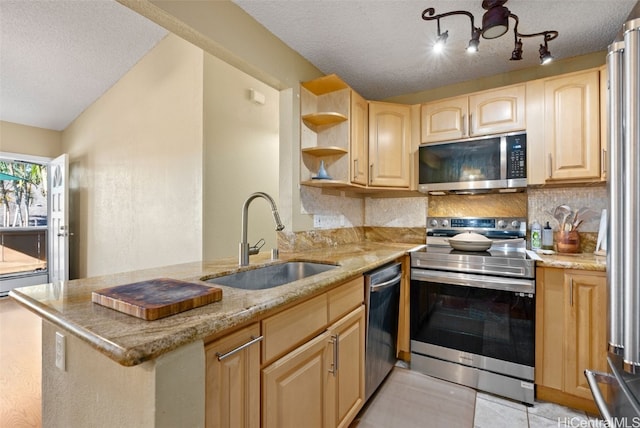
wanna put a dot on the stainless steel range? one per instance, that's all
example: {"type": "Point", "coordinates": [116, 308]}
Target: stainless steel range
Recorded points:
{"type": "Point", "coordinates": [473, 313]}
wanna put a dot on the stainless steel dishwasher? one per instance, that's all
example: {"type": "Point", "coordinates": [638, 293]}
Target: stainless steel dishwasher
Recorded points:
{"type": "Point", "coordinates": [382, 288]}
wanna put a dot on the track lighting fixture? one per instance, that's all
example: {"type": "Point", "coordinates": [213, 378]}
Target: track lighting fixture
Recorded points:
{"type": "Point", "coordinates": [495, 23]}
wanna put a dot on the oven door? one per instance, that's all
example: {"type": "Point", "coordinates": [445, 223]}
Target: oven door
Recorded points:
{"type": "Point", "coordinates": [480, 321]}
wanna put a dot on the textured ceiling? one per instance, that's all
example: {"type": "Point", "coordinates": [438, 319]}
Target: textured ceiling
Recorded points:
{"type": "Point", "coordinates": [382, 48]}
{"type": "Point", "coordinates": [58, 56]}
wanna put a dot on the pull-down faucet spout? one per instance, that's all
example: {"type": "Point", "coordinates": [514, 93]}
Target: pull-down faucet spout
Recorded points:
{"type": "Point", "coordinates": [244, 244]}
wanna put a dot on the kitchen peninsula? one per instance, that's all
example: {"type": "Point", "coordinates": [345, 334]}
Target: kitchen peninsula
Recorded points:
{"type": "Point", "coordinates": [123, 371]}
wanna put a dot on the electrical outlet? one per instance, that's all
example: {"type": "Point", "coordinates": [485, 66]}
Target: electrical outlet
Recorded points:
{"type": "Point", "coordinates": [61, 351]}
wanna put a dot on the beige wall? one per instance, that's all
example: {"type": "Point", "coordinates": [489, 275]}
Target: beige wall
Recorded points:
{"type": "Point", "coordinates": [135, 159]}
{"type": "Point", "coordinates": [240, 157]}
{"type": "Point", "coordinates": [95, 391]}
{"type": "Point", "coordinates": [28, 140]}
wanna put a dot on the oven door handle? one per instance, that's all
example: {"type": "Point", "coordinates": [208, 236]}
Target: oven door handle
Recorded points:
{"type": "Point", "coordinates": [478, 281]}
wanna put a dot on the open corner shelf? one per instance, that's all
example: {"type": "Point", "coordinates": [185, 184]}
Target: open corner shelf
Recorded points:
{"type": "Point", "coordinates": [325, 151]}
{"type": "Point", "coordinates": [315, 120]}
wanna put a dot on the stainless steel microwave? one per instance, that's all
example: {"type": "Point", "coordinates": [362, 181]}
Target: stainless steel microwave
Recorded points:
{"type": "Point", "coordinates": [496, 163]}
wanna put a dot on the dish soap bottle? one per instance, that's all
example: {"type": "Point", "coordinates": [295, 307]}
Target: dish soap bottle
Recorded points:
{"type": "Point", "coordinates": [536, 236]}
{"type": "Point", "coordinates": [547, 238]}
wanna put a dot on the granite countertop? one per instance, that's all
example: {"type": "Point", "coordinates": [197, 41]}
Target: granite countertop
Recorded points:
{"type": "Point", "coordinates": [583, 261]}
{"type": "Point", "coordinates": [131, 341]}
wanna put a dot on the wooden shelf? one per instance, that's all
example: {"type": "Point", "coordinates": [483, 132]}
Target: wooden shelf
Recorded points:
{"type": "Point", "coordinates": [324, 183]}
{"type": "Point", "coordinates": [325, 151]}
{"type": "Point", "coordinates": [323, 118]}
{"type": "Point", "coordinates": [324, 85]}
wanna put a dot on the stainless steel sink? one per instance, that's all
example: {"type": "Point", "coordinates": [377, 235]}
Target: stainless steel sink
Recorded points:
{"type": "Point", "coordinates": [270, 276]}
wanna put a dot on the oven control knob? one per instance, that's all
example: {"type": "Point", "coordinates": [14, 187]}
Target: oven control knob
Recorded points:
{"type": "Point", "coordinates": [433, 223]}
{"type": "Point", "coordinates": [502, 224]}
{"type": "Point", "coordinates": [515, 224]}
{"type": "Point", "coordinates": [445, 223]}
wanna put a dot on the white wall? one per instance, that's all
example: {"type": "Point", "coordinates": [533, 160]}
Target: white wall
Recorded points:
{"type": "Point", "coordinates": [136, 167]}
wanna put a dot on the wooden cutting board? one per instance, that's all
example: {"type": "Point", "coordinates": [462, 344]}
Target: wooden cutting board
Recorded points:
{"type": "Point", "coordinates": [156, 298]}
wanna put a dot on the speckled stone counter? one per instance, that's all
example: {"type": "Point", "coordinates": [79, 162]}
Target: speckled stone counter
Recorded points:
{"type": "Point", "coordinates": [131, 341]}
{"type": "Point", "coordinates": [584, 261]}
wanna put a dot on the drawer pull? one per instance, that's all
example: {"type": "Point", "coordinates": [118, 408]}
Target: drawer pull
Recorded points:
{"type": "Point", "coordinates": [239, 348]}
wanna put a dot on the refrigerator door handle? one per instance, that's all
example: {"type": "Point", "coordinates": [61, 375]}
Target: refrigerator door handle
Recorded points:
{"type": "Point", "coordinates": [595, 378]}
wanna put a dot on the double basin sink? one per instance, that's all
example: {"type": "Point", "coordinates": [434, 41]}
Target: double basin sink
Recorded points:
{"type": "Point", "coordinates": [270, 276]}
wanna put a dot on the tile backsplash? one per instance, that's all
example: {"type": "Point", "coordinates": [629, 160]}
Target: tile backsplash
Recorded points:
{"type": "Point", "coordinates": [379, 216]}
{"type": "Point", "coordinates": [543, 201]}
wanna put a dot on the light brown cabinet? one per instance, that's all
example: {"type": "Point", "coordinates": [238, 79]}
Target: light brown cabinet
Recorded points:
{"type": "Point", "coordinates": [315, 350]}
{"type": "Point", "coordinates": [364, 145]}
{"type": "Point", "coordinates": [232, 388]}
{"type": "Point", "coordinates": [321, 383]}
{"type": "Point", "coordinates": [571, 320]}
{"type": "Point", "coordinates": [359, 149]}
{"type": "Point", "coordinates": [483, 113]}
{"type": "Point", "coordinates": [564, 143]}
{"type": "Point", "coordinates": [389, 145]}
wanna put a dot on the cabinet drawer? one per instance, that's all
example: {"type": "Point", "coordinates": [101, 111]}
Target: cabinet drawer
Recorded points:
{"type": "Point", "coordinates": [291, 327]}
{"type": "Point", "coordinates": [345, 298]}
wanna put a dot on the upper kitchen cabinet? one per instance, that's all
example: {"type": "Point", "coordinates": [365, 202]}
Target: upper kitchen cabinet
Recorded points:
{"type": "Point", "coordinates": [483, 113]}
{"type": "Point", "coordinates": [564, 143]}
{"type": "Point", "coordinates": [325, 130]}
{"type": "Point", "coordinates": [389, 145]}
{"type": "Point", "coordinates": [359, 149]}
{"type": "Point", "coordinates": [363, 145]}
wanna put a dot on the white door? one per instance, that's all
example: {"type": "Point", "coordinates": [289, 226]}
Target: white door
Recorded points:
{"type": "Point", "coordinates": [59, 219]}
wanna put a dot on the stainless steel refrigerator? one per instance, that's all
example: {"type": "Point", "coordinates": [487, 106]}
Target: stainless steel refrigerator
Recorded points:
{"type": "Point", "coordinates": [617, 393]}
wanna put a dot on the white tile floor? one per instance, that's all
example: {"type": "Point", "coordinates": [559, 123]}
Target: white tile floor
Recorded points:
{"type": "Point", "coordinates": [496, 412]}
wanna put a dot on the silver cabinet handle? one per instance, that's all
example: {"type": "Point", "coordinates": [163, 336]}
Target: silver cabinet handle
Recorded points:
{"type": "Point", "coordinates": [355, 169]}
{"type": "Point", "coordinates": [239, 348]}
{"type": "Point", "coordinates": [370, 174]}
{"type": "Point", "coordinates": [336, 354]}
{"type": "Point", "coordinates": [464, 125]}
{"type": "Point", "coordinates": [603, 162]}
{"type": "Point", "coordinates": [470, 124]}
{"type": "Point", "coordinates": [550, 166]}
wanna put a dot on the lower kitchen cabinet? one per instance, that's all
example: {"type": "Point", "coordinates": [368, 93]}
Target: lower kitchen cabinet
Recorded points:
{"type": "Point", "coordinates": [232, 388]}
{"type": "Point", "coordinates": [571, 319]}
{"type": "Point", "coordinates": [320, 383]}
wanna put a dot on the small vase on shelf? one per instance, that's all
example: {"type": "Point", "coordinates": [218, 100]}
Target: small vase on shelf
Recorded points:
{"type": "Point", "coordinates": [322, 172]}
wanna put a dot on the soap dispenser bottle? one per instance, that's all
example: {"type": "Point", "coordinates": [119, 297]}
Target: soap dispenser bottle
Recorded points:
{"type": "Point", "coordinates": [547, 238]}
{"type": "Point", "coordinates": [536, 236]}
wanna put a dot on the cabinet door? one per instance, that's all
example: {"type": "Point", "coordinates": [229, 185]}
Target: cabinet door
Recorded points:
{"type": "Point", "coordinates": [389, 144]}
{"type": "Point", "coordinates": [232, 389]}
{"type": "Point", "coordinates": [497, 111]}
{"type": "Point", "coordinates": [572, 126]}
{"type": "Point", "coordinates": [359, 140]}
{"type": "Point", "coordinates": [550, 319]}
{"type": "Point", "coordinates": [349, 393]}
{"type": "Point", "coordinates": [445, 120]}
{"type": "Point", "coordinates": [297, 389]}
{"type": "Point", "coordinates": [586, 337]}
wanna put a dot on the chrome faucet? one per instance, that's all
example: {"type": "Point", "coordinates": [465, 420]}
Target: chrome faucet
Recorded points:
{"type": "Point", "coordinates": [245, 250]}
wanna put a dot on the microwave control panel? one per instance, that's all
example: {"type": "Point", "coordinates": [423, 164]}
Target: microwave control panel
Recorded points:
{"type": "Point", "coordinates": [516, 156]}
